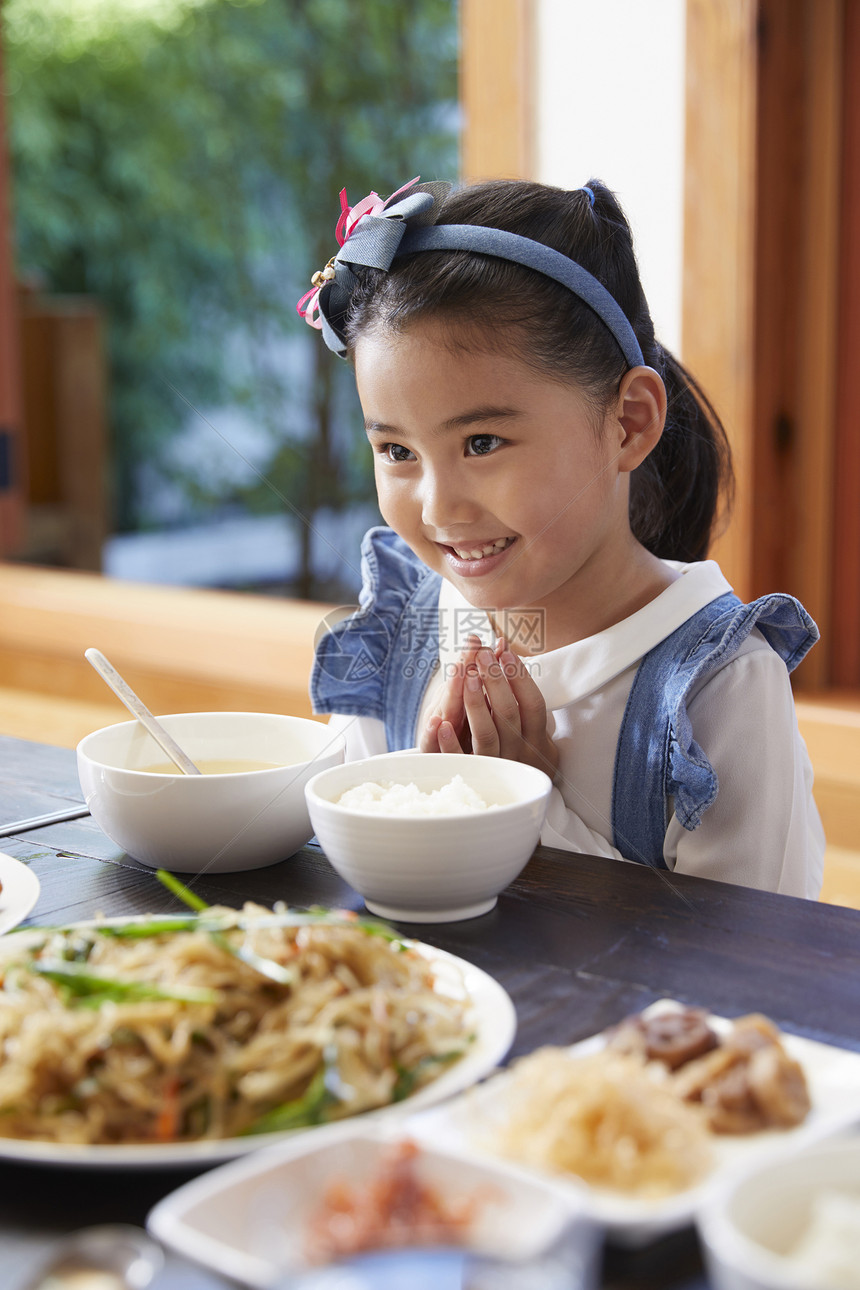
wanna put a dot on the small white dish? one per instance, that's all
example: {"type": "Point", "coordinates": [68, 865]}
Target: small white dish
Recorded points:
{"type": "Point", "coordinates": [213, 823]}
{"type": "Point", "coordinates": [431, 868]}
{"type": "Point", "coordinates": [248, 1221]}
{"type": "Point", "coordinates": [751, 1224]}
{"type": "Point", "coordinates": [19, 891]}
{"type": "Point", "coordinates": [833, 1078]}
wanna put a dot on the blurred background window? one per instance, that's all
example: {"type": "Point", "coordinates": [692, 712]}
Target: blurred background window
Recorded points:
{"type": "Point", "coordinates": [176, 166]}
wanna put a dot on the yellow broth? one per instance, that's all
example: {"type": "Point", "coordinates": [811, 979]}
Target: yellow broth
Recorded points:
{"type": "Point", "coordinates": [213, 766]}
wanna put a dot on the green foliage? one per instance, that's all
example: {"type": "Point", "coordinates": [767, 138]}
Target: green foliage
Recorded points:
{"type": "Point", "coordinates": [181, 161]}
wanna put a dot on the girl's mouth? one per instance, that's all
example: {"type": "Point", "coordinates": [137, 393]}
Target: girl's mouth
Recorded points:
{"type": "Point", "coordinates": [483, 550]}
{"type": "Point", "coordinates": [479, 558]}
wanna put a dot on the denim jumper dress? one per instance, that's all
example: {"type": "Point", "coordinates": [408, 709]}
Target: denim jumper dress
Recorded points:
{"type": "Point", "coordinates": [379, 661]}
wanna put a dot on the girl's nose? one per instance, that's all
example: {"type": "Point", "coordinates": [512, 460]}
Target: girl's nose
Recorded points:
{"type": "Point", "coordinates": [445, 499]}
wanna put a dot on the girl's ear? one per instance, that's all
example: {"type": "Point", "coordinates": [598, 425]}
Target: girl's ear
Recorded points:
{"type": "Point", "coordinates": [641, 415]}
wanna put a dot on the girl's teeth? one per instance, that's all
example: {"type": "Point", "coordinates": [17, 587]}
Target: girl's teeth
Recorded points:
{"type": "Point", "coordinates": [479, 552]}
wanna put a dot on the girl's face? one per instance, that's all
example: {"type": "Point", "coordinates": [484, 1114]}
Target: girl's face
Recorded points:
{"type": "Point", "coordinates": [498, 478]}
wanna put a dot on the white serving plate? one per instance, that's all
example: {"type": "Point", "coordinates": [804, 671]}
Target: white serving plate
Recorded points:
{"type": "Point", "coordinates": [20, 891]}
{"type": "Point", "coordinates": [833, 1077]}
{"type": "Point", "coordinates": [492, 1021]}
{"type": "Point", "coordinates": [248, 1220]}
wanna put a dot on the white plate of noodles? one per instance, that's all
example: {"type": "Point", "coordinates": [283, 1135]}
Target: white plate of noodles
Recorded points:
{"type": "Point", "coordinates": [613, 1120]}
{"type": "Point", "coordinates": [190, 1040]}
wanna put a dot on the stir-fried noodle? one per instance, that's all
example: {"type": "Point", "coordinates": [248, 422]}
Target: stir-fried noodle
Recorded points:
{"type": "Point", "coordinates": [214, 1026]}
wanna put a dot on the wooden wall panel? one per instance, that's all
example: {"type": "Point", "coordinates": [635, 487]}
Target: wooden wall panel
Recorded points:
{"type": "Point", "coordinates": [818, 316]}
{"type": "Point", "coordinates": [780, 115]}
{"type": "Point", "coordinates": [798, 184]}
{"type": "Point", "coordinates": [845, 638]}
{"type": "Point", "coordinates": [761, 280]}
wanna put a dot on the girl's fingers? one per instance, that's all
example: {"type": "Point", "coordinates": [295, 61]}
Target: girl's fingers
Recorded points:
{"type": "Point", "coordinates": [451, 707]}
{"type": "Point", "coordinates": [530, 702]}
{"type": "Point", "coordinates": [537, 746]}
{"type": "Point", "coordinates": [503, 702]}
{"type": "Point", "coordinates": [448, 740]}
{"type": "Point", "coordinates": [490, 706]}
{"type": "Point", "coordinates": [429, 740]}
{"type": "Point", "coordinates": [482, 726]}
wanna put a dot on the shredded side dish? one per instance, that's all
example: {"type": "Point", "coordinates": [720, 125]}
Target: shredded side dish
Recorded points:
{"type": "Point", "coordinates": [605, 1117]}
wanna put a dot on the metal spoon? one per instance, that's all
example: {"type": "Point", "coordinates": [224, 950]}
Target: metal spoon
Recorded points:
{"type": "Point", "coordinates": [126, 694]}
{"type": "Point", "coordinates": [114, 1257]}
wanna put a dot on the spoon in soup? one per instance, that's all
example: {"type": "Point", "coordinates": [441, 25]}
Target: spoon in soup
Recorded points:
{"type": "Point", "coordinates": [126, 695]}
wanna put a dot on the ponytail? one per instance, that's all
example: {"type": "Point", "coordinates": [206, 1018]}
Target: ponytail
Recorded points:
{"type": "Point", "coordinates": [685, 486]}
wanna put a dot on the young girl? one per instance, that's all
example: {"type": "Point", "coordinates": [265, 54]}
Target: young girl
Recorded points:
{"type": "Point", "coordinates": [550, 475]}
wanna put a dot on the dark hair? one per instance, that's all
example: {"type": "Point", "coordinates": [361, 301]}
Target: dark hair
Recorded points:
{"type": "Point", "coordinates": [675, 493]}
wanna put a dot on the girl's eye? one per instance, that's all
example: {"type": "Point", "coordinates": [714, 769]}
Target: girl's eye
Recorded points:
{"type": "Point", "coordinates": [396, 452]}
{"type": "Point", "coordinates": [478, 445]}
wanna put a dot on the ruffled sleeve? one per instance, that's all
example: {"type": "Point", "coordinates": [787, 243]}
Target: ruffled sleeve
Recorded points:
{"type": "Point", "coordinates": [658, 762]}
{"type": "Point", "coordinates": [789, 631]}
{"type": "Point", "coordinates": [357, 658]}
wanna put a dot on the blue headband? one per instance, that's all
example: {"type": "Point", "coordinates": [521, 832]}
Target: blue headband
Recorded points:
{"type": "Point", "coordinates": [406, 228]}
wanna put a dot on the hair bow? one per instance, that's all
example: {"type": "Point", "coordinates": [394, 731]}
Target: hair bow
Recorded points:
{"type": "Point", "coordinates": [374, 232]}
{"type": "Point", "coordinates": [368, 234]}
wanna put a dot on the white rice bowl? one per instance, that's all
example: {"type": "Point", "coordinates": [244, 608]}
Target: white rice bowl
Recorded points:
{"type": "Point", "coordinates": [429, 838]}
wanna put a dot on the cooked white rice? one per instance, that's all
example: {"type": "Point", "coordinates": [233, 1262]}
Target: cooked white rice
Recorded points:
{"type": "Point", "coordinates": [386, 798]}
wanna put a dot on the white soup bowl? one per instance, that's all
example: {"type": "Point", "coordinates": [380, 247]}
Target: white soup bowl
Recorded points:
{"type": "Point", "coordinates": [218, 823]}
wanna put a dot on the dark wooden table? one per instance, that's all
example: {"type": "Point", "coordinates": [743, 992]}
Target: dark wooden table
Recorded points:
{"type": "Point", "coordinates": [577, 941]}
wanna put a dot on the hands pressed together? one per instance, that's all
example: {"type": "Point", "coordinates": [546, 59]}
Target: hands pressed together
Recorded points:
{"type": "Point", "coordinates": [491, 706]}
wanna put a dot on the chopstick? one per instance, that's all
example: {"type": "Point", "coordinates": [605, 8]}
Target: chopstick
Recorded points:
{"type": "Point", "coordinates": [37, 821]}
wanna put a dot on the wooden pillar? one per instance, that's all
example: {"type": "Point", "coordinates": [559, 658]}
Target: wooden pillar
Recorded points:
{"type": "Point", "coordinates": [496, 89]}
{"type": "Point", "coordinates": [11, 483]}
{"type": "Point", "coordinates": [719, 242]}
